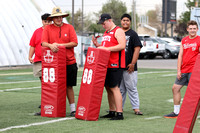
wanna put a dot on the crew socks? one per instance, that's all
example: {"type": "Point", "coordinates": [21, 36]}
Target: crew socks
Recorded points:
{"type": "Point", "coordinates": [72, 107]}
{"type": "Point", "coordinates": [176, 109]}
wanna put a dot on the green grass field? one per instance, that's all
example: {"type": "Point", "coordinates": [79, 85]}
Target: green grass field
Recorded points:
{"type": "Point", "coordinates": [20, 95]}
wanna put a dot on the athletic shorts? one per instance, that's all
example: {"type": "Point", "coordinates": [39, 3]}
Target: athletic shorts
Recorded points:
{"type": "Point", "coordinates": [113, 77]}
{"type": "Point", "coordinates": [72, 74]}
{"type": "Point", "coordinates": [37, 69]}
{"type": "Point", "coordinates": [185, 77]}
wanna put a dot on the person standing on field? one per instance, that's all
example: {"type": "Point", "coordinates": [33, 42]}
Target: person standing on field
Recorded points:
{"type": "Point", "coordinates": [189, 49]}
{"type": "Point", "coordinates": [129, 80]}
{"type": "Point", "coordinates": [35, 48]}
{"type": "Point", "coordinates": [113, 40]}
{"type": "Point", "coordinates": [62, 34]}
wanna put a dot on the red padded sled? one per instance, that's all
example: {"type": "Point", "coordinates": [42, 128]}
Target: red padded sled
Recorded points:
{"type": "Point", "coordinates": [53, 100]}
{"type": "Point", "coordinates": [92, 84]}
{"type": "Point", "coordinates": [191, 102]}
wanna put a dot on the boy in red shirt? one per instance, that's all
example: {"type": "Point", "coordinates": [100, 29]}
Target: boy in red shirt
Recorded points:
{"type": "Point", "coordinates": [189, 49]}
{"type": "Point", "coordinates": [62, 34]}
{"type": "Point", "coordinates": [35, 48]}
{"type": "Point", "coordinates": [113, 40]}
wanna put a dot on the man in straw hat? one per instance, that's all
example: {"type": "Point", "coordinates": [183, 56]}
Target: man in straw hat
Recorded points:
{"type": "Point", "coordinates": [62, 34]}
{"type": "Point", "coordinates": [35, 48]}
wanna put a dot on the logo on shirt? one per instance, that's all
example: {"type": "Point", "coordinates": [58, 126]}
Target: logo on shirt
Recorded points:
{"type": "Point", "coordinates": [106, 38]}
{"type": "Point", "coordinates": [65, 35]}
{"type": "Point", "coordinates": [127, 42]}
{"type": "Point", "coordinates": [90, 57]}
{"type": "Point", "coordinates": [188, 45]}
{"type": "Point", "coordinates": [111, 33]}
{"type": "Point", "coordinates": [113, 65]}
{"type": "Point", "coordinates": [48, 58]}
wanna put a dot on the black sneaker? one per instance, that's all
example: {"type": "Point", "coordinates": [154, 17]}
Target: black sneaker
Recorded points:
{"type": "Point", "coordinates": [171, 115]}
{"type": "Point", "coordinates": [110, 115]}
{"type": "Point", "coordinates": [73, 113]}
{"type": "Point", "coordinates": [119, 116]}
{"type": "Point", "coordinates": [37, 114]}
{"type": "Point", "coordinates": [39, 106]}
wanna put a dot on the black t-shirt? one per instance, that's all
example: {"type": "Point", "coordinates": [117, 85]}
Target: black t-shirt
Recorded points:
{"type": "Point", "coordinates": [132, 41]}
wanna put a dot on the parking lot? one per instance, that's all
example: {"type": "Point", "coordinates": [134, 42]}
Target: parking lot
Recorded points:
{"type": "Point", "coordinates": [158, 62]}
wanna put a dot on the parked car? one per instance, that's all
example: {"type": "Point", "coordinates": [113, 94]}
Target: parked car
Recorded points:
{"type": "Point", "coordinates": [159, 48]}
{"type": "Point", "coordinates": [171, 48]}
{"type": "Point", "coordinates": [148, 48]}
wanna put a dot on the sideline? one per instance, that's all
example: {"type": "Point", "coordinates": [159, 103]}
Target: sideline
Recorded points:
{"type": "Point", "coordinates": [36, 124]}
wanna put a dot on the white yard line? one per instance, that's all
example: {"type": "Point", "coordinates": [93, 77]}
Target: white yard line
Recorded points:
{"type": "Point", "coordinates": [154, 72]}
{"type": "Point", "coordinates": [17, 89]}
{"type": "Point", "coordinates": [154, 117]}
{"type": "Point", "coordinates": [8, 74]}
{"type": "Point", "coordinates": [36, 124]}
{"type": "Point", "coordinates": [169, 75]}
{"type": "Point", "coordinates": [18, 82]}
{"type": "Point", "coordinates": [171, 100]}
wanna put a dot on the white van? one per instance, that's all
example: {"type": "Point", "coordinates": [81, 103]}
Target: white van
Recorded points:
{"type": "Point", "coordinates": [159, 48]}
{"type": "Point", "coordinates": [148, 47]}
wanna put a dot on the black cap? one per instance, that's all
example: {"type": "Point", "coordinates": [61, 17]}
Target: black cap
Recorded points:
{"type": "Point", "coordinates": [103, 18]}
{"type": "Point", "coordinates": [45, 16]}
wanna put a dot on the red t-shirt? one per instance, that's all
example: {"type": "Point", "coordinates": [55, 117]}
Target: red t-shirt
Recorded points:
{"type": "Point", "coordinates": [36, 42]}
{"type": "Point", "coordinates": [63, 34]}
{"type": "Point", "coordinates": [190, 52]}
{"type": "Point", "coordinates": [117, 59]}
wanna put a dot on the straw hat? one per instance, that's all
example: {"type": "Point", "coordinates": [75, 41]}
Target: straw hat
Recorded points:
{"type": "Point", "coordinates": [57, 12]}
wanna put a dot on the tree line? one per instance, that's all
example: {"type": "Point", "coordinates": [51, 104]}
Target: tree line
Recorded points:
{"type": "Point", "coordinates": [116, 8]}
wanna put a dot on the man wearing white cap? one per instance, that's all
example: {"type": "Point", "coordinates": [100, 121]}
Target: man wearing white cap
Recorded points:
{"type": "Point", "coordinates": [62, 34]}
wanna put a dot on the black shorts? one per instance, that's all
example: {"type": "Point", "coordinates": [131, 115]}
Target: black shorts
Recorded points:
{"type": "Point", "coordinates": [72, 74]}
{"type": "Point", "coordinates": [113, 77]}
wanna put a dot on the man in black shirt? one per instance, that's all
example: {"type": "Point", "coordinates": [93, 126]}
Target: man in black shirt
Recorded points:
{"type": "Point", "coordinates": [129, 80]}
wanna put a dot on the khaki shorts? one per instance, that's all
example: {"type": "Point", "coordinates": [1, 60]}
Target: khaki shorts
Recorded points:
{"type": "Point", "coordinates": [37, 69]}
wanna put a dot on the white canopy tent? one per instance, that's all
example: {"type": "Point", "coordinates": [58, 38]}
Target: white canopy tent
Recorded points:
{"type": "Point", "coordinates": [19, 19]}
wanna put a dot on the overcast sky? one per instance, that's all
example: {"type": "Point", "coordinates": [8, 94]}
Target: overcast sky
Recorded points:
{"type": "Point", "coordinates": [142, 6]}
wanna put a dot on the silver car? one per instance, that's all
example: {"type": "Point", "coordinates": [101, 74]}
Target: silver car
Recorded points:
{"type": "Point", "coordinates": [171, 48]}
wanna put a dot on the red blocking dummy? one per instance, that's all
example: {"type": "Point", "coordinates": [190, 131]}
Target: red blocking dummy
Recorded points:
{"type": "Point", "coordinates": [92, 84]}
{"type": "Point", "coordinates": [191, 102]}
{"type": "Point", "coordinates": [53, 99]}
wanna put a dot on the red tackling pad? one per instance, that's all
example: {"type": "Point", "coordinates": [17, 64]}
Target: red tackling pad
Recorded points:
{"type": "Point", "coordinates": [53, 100]}
{"type": "Point", "coordinates": [191, 103]}
{"type": "Point", "coordinates": [92, 84]}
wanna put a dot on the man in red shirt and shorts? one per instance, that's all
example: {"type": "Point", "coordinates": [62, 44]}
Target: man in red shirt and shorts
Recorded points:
{"type": "Point", "coordinates": [189, 49]}
{"type": "Point", "coordinates": [35, 48]}
{"type": "Point", "coordinates": [62, 34]}
{"type": "Point", "coordinates": [113, 40]}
